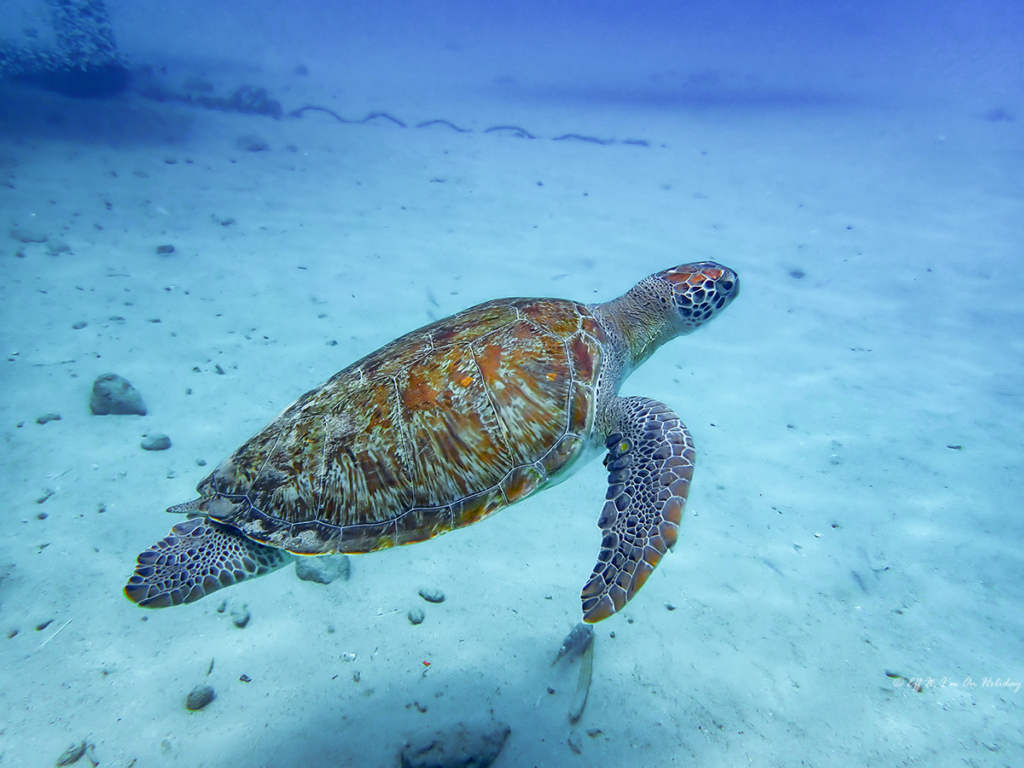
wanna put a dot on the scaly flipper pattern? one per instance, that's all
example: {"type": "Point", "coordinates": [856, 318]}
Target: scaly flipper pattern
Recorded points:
{"type": "Point", "coordinates": [197, 557]}
{"type": "Point", "coordinates": [650, 466]}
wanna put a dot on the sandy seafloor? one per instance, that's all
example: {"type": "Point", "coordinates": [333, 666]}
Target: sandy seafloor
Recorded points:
{"type": "Point", "coordinates": [856, 507]}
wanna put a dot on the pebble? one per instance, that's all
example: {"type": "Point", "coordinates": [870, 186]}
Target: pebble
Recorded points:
{"type": "Point", "coordinates": [48, 417]}
{"type": "Point", "coordinates": [432, 595]}
{"type": "Point", "coordinates": [240, 616]}
{"type": "Point", "coordinates": [323, 569]}
{"type": "Point", "coordinates": [114, 394]}
{"type": "Point", "coordinates": [158, 441]}
{"type": "Point", "coordinates": [163, 250]}
{"type": "Point", "coordinates": [416, 616]}
{"type": "Point", "coordinates": [198, 698]}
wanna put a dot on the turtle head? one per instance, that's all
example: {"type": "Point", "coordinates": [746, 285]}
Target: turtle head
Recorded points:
{"type": "Point", "coordinates": [667, 304]}
{"type": "Point", "coordinates": [695, 293]}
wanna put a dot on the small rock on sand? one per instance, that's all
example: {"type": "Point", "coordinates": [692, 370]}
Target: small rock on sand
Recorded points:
{"type": "Point", "coordinates": [416, 615]}
{"type": "Point", "coordinates": [158, 441]}
{"type": "Point", "coordinates": [432, 595]}
{"type": "Point", "coordinates": [114, 394]}
{"type": "Point", "coordinates": [198, 698]}
{"type": "Point", "coordinates": [323, 569]}
{"type": "Point", "coordinates": [240, 616]}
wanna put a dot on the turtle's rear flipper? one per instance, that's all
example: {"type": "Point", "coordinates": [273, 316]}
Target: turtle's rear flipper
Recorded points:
{"type": "Point", "coordinates": [197, 557]}
{"type": "Point", "coordinates": [650, 465]}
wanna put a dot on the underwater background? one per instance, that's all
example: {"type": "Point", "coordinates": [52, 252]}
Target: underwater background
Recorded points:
{"type": "Point", "coordinates": [226, 203]}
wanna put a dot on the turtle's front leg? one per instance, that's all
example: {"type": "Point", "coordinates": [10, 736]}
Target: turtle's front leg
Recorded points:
{"type": "Point", "coordinates": [650, 465]}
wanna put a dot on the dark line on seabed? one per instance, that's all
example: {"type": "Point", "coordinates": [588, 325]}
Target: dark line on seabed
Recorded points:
{"type": "Point", "coordinates": [373, 115]}
{"type": "Point", "coordinates": [443, 122]}
{"type": "Point", "coordinates": [513, 128]}
{"type": "Point", "coordinates": [588, 139]}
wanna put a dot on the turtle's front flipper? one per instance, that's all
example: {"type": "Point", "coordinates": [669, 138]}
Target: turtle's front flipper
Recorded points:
{"type": "Point", "coordinates": [650, 465]}
{"type": "Point", "coordinates": [197, 557]}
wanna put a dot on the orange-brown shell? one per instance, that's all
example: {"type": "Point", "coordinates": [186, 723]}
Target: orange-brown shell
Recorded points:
{"type": "Point", "coordinates": [432, 432]}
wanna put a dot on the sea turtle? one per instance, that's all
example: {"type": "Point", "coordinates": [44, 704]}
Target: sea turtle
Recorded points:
{"type": "Point", "coordinates": [448, 424]}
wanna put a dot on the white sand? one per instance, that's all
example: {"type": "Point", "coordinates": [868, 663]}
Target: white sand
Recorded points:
{"type": "Point", "coordinates": [833, 534]}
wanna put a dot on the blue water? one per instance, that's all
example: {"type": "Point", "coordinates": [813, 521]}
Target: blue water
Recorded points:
{"type": "Point", "coordinates": [846, 589]}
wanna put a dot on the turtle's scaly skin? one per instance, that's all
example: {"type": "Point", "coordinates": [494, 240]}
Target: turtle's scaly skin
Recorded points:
{"type": "Point", "coordinates": [448, 424]}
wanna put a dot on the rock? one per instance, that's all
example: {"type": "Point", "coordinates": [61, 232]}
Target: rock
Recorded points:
{"type": "Point", "coordinates": [465, 745]}
{"type": "Point", "coordinates": [158, 441]}
{"type": "Point", "coordinates": [416, 616]}
{"type": "Point", "coordinates": [28, 235]}
{"type": "Point", "coordinates": [198, 698]}
{"type": "Point", "coordinates": [324, 569]}
{"type": "Point", "coordinates": [164, 250]}
{"type": "Point", "coordinates": [432, 595]}
{"type": "Point", "coordinates": [240, 616]}
{"type": "Point", "coordinates": [115, 394]}
{"type": "Point", "coordinates": [48, 417]}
